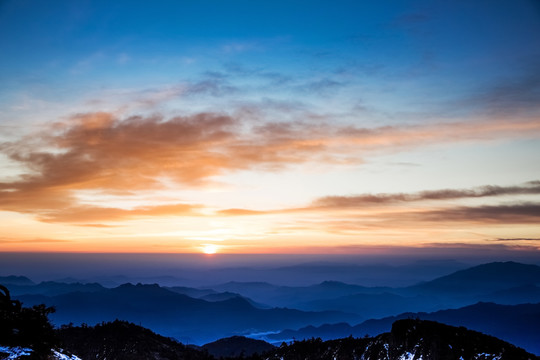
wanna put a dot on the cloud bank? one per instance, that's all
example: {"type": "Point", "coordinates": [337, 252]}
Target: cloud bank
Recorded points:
{"type": "Point", "coordinates": [102, 152]}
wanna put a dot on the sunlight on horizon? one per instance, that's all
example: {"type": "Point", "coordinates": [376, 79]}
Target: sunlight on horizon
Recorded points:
{"type": "Point", "coordinates": [210, 249]}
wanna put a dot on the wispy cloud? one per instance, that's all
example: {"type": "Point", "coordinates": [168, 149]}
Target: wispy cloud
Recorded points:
{"type": "Point", "coordinates": [85, 213]}
{"type": "Point", "coordinates": [525, 213]}
{"type": "Point", "coordinates": [100, 151]}
{"type": "Point", "coordinates": [235, 212]}
{"type": "Point", "coordinates": [31, 241]}
{"type": "Point", "coordinates": [511, 95]}
{"type": "Point", "coordinates": [450, 215]}
{"type": "Point", "coordinates": [434, 209]}
{"type": "Point", "coordinates": [213, 86]}
{"type": "Point", "coordinates": [532, 187]}
{"type": "Point", "coordinates": [517, 239]}
{"type": "Point", "coordinates": [321, 86]}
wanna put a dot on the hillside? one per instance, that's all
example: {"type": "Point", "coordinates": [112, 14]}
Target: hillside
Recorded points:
{"type": "Point", "coordinates": [188, 319]}
{"type": "Point", "coordinates": [517, 324]}
{"type": "Point", "coordinates": [408, 339]}
{"type": "Point", "coordinates": [481, 279]}
{"type": "Point", "coordinates": [121, 340]}
{"type": "Point", "coordinates": [237, 346]}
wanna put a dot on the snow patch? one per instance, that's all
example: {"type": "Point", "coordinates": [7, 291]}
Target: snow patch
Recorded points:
{"type": "Point", "coordinates": [60, 356]}
{"type": "Point", "coordinates": [406, 356]}
{"type": "Point", "coordinates": [488, 356]}
{"type": "Point", "coordinates": [14, 352]}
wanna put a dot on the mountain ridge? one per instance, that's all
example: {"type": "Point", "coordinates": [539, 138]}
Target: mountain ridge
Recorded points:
{"type": "Point", "coordinates": [517, 324]}
{"type": "Point", "coordinates": [407, 339]}
{"type": "Point", "coordinates": [173, 314]}
{"type": "Point", "coordinates": [485, 277]}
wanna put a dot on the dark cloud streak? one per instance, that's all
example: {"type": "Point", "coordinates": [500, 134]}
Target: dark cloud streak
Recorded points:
{"type": "Point", "coordinates": [516, 239]}
{"type": "Point", "coordinates": [526, 213]}
{"type": "Point", "coordinates": [529, 188]}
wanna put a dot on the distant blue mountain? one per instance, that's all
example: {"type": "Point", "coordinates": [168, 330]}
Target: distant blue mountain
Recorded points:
{"type": "Point", "coordinates": [515, 295]}
{"type": "Point", "coordinates": [189, 291]}
{"type": "Point", "coordinates": [518, 324]}
{"type": "Point", "coordinates": [16, 280]}
{"type": "Point", "coordinates": [52, 288]}
{"type": "Point", "coordinates": [237, 308]}
{"type": "Point", "coordinates": [188, 319]}
{"type": "Point", "coordinates": [228, 295]}
{"type": "Point", "coordinates": [505, 282]}
{"type": "Point", "coordinates": [374, 305]}
{"type": "Point", "coordinates": [482, 279]}
{"type": "Point", "coordinates": [292, 296]}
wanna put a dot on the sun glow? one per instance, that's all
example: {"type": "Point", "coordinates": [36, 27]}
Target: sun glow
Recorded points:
{"type": "Point", "coordinates": [209, 249]}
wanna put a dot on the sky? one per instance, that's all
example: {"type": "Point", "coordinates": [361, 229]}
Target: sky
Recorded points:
{"type": "Point", "coordinates": [270, 127]}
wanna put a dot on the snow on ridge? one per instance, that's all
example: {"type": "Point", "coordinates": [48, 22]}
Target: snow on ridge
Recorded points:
{"type": "Point", "coordinates": [14, 352]}
{"type": "Point", "coordinates": [60, 356]}
{"type": "Point", "coordinates": [407, 356]}
{"type": "Point", "coordinates": [488, 356]}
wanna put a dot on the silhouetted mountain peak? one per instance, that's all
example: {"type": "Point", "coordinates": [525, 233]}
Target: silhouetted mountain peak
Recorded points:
{"type": "Point", "coordinates": [139, 285]}
{"type": "Point", "coordinates": [237, 302]}
{"type": "Point", "coordinates": [507, 271]}
{"type": "Point", "coordinates": [486, 277]}
{"type": "Point", "coordinates": [433, 340]}
{"type": "Point", "coordinates": [237, 346]}
{"type": "Point", "coordinates": [408, 339]}
{"type": "Point", "coordinates": [16, 280]}
{"type": "Point", "coordinates": [152, 292]}
{"type": "Point", "coordinates": [331, 285]}
{"type": "Point", "coordinates": [142, 288]}
{"type": "Point", "coordinates": [259, 284]}
{"type": "Point", "coordinates": [121, 340]}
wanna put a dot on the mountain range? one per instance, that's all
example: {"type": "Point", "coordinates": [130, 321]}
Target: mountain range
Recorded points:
{"type": "Point", "coordinates": [517, 324]}
{"type": "Point", "coordinates": [185, 318]}
{"type": "Point", "coordinates": [501, 299]}
{"type": "Point", "coordinates": [407, 340]}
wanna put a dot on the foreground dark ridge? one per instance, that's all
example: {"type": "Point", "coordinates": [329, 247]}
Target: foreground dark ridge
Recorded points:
{"type": "Point", "coordinates": [123, 340]}
{"type": "Point", "coordinates": [516, 324]}
{"type": "Point", "coordinates": [409, 339]}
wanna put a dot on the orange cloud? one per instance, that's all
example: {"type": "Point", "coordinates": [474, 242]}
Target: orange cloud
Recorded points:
{"type": "Point", "coordinates": [34, 241]}
{"type": "Point", "coordinates": [82, 213]}
{"type": "Point", "coordinates": [99, 151]}
{"type": "Point", "coordinates": [373, 212]}
{"type": "Point", "coordinates": [237, 212]}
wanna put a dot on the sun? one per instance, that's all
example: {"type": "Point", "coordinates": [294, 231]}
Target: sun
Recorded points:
{"type": "Point", "coordinates": [209, 249]}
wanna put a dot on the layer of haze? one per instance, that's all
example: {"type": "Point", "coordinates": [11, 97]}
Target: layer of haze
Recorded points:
{"type": "Point", "coordinates": [391, 268]}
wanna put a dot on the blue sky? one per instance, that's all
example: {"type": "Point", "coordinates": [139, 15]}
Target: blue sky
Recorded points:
{"type": "Point", "coordinates": [276, 105]}
{"type": "Point", "coordinates": [411, 57]}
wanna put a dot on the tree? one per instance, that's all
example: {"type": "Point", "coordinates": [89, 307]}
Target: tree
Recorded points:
{"type": "Point", "coordinates": [26, 327]}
